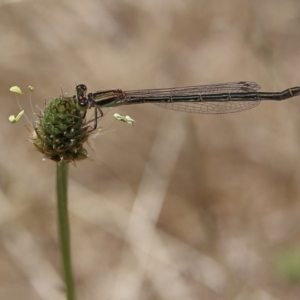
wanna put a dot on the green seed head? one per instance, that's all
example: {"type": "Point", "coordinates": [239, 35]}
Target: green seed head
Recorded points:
{"type": "Point", "coordinates": [61, 131]}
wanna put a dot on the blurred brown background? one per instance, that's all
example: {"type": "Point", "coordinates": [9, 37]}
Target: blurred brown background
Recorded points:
{"type": "Point", "coordinates": [179, 206]}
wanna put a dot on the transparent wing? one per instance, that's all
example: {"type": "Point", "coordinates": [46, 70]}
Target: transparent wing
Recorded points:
{"type": "Point", "coordinates": [211, 107]}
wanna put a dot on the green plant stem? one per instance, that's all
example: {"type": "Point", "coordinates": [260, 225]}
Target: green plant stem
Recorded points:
{"type": "Point", "coordinates": [63, 226]}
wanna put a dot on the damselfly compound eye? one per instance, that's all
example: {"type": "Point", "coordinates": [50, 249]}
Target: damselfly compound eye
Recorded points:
{"type": "Point", "coordinates": [80, 97]}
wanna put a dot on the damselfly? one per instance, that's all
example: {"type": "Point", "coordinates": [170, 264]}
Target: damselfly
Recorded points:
{"type": "Point", "coordinates": [203, 99]}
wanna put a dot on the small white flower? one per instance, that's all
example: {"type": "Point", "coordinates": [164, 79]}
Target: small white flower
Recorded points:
{"type": "Point", "coordinates": [14, 119]}
{"type": "Point", "coordinates": [16, 89]}
{"type": "Point", "coordinates": [126, 119]}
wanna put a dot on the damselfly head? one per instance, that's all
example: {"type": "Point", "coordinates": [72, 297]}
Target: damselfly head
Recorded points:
{"type": "Point", "coordinates": [80, 96]}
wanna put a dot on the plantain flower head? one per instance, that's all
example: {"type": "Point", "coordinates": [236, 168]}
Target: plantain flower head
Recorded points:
{"type": "Point", "coordinates": [61, 131]}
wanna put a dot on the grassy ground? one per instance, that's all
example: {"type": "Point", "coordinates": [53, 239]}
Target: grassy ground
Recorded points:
{"type": "Point", "coordinates": [179, 206]}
